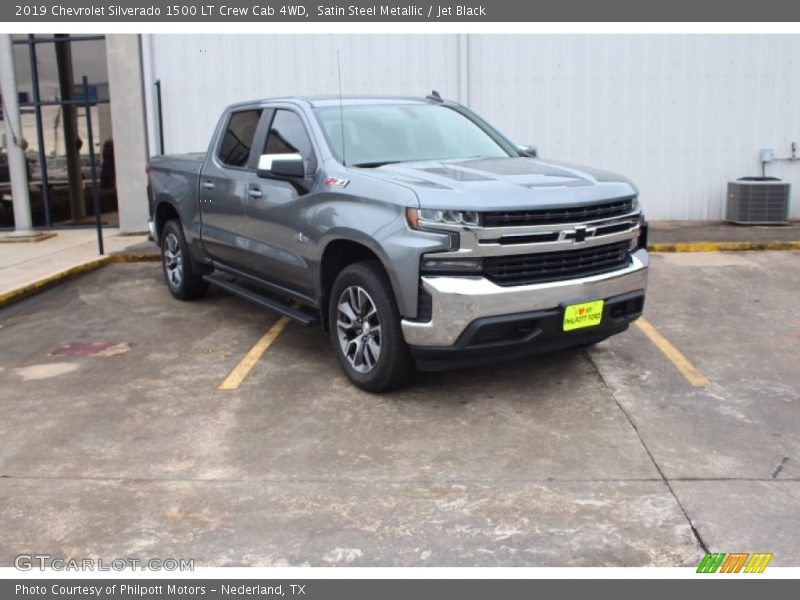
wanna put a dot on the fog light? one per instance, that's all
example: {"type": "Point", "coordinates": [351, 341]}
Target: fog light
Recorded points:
{"type": "Point", "coordinates": [432, 264]}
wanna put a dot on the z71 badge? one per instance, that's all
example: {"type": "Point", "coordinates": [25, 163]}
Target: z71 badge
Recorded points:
{"type": "Point", "coordinates": [336, 182]}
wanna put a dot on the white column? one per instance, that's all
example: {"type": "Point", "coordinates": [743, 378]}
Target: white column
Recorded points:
{"type": "Point", "coordinates": [16, 155]}
{"type": "Point", "coordinates": [128, 125]}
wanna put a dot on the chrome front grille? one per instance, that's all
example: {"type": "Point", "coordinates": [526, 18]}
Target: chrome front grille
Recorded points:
{"type": "Point", "coordinates": [609, 224]}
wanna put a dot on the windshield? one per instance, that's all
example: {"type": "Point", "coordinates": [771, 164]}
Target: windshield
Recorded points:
{"type": "Point", "coordinates": [375, 135]}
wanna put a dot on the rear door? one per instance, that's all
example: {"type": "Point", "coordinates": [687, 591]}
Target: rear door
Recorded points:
{"type": "Point", "coordinates": [228, 171]}
{"type": "Point", "coordinates": [276, 212]}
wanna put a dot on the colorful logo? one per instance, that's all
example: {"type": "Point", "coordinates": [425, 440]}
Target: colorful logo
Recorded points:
{"type": "Point", "coordinates": [734, 562]}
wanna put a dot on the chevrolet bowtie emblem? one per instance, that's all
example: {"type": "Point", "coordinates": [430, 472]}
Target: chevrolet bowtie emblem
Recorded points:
{"type": "Point", "coordinates": [580, 234]}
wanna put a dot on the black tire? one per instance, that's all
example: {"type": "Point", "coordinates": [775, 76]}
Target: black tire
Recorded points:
{"type": "Point", "coordinates": [179, 271]}
{"type": "Point", "coordinates": [394, 366]}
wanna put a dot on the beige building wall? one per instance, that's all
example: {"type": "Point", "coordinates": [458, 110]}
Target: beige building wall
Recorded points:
{"type": "Point", "coordinates": [130, 141]}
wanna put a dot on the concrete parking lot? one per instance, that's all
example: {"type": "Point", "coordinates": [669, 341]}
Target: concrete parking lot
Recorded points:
{"type": "Point", "coordinates": [116, 441]}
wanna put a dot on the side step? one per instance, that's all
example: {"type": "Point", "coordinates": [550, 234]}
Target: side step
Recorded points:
{"type": "Point", "coordinates": [264, 301]}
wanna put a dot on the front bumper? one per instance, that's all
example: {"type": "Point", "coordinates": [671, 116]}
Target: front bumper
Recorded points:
{"type": "Point", "coordinates": [457, 302]}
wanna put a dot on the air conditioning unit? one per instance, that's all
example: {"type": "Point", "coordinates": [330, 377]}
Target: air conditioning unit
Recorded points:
{"type": "Point", "coordinates": [758, 201]}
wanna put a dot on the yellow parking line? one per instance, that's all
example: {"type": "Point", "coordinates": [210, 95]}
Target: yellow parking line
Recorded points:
{"type": "Point", "coordinates": [240, 371]}
{"type": "Point", "coordinates": [687, 369]}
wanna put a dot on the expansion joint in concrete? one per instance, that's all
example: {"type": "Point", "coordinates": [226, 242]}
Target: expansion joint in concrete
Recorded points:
{"type": "Point", "coordinates": [658, 468]}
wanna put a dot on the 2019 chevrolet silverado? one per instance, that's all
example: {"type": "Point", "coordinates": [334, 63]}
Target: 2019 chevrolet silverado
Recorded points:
{"type": "Point", "coordinates": [412, 230]}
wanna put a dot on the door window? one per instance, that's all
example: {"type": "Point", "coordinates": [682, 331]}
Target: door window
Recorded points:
{"type": "Point", "coordinates": [234, 150]}
{"type": "Point", "coordinates": [288, 135]}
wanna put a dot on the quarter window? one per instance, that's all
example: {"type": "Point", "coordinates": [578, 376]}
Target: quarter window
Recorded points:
{"type": "Point", "coordinates": [234, 150]}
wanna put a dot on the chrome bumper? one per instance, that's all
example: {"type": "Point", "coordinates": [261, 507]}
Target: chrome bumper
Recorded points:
{"type": "Point", "coordinates": [151, 226]}
{"type": "Point", "coordinates": [458, 301]}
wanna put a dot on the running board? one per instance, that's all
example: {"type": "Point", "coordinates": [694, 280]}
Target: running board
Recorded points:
{"type": "Point", "coordinates": [263, 301]}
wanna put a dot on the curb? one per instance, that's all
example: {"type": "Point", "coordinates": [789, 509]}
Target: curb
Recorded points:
{"type": "Point", "coordinates": [722, 246]}
{"type": "Point", "coordinates": [134, 258]}
{"type": "Point", "coordinates": [45, 283]}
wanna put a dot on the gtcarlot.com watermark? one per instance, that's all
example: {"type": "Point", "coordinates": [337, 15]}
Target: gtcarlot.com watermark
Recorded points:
{"type": "Point", "coordinates": [44, 562]}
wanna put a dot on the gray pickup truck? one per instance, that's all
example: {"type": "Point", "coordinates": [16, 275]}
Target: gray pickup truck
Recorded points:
{"type": "Point", "coordinates": [410, 228]}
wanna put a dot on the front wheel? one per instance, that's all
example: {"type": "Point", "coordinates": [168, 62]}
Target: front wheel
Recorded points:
{"type": "Point", "coordinates": [179, 272]}
{"type": "Point", "coordinates": [365, 331]}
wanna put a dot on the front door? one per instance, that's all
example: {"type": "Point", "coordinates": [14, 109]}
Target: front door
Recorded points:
{"type": "Point", "coordinates": [275, 210]}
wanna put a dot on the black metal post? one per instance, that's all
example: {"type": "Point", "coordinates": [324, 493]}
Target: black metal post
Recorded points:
{"type": "Point", "coordinates": [72, 140]}
{"type": "Point", "coordinates": [95, 187]}
{"type": "Point", "coordinates": [160, 119]}
{"type": "Point", "coordinates": [39, 130]}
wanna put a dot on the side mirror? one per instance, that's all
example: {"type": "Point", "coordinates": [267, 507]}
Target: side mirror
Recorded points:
{"type": "Point", "coordinates": [281, 166]}
{"type": "Point", "coordinates": [529, 151]}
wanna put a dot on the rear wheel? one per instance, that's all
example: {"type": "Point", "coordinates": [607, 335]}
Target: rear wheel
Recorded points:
{"type": "Point", "coordinates": [365, 330]}
{"type": "Point", "coordinates": [182, 279]}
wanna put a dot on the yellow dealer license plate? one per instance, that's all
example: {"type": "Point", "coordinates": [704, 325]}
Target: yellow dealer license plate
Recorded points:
{"type": "Point", "coordinates": [585, 314]}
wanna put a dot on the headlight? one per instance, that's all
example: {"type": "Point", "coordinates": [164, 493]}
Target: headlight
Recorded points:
{"type": "Point", "coordinates": [419, 218]}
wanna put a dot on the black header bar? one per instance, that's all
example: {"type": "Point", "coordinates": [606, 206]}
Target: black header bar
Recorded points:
{"type": "Point", "coordinates": [337, 11]}
{"type": "Point", "coordinates": [731, 588]}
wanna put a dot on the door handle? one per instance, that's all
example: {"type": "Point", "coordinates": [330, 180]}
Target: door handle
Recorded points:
{"type": "Point", "coordinates": [208, 185]}
{"type": "Point", "coordinates": [254, 193]}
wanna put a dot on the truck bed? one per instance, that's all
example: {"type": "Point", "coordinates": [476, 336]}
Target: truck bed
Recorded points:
{"type": "Point", "coordinates": [189, 163]}
{"type": "Point", "coordinates": [176, 178]}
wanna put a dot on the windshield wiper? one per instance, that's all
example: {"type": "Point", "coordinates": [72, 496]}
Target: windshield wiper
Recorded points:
{"type": "Point", "coordinates": [377, 163]}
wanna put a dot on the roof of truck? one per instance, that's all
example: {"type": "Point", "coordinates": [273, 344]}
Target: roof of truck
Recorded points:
{"type": "Point", "coordinates": [332, 100]}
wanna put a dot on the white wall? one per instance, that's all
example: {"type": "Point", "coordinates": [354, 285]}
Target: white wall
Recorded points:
{"type": "Point", "coordinates": [678, 114]}
{"type": "Point", "coordinates": [201, 74]}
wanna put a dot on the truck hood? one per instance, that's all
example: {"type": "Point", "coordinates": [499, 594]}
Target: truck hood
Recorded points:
{"type": "Point", "coordinates": [504, 183]}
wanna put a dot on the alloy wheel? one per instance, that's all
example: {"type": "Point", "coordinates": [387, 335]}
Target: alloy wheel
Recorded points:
{"type": "Point", "coordinates": [173, 260]}
{"type": "Point", "coordinates": [359, 329]}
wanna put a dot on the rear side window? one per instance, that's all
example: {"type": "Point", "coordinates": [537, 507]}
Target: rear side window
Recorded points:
{"type": "Point", "coordinates": [288, 135]}
{"type": "Point", "coordinates": [238, 137]}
